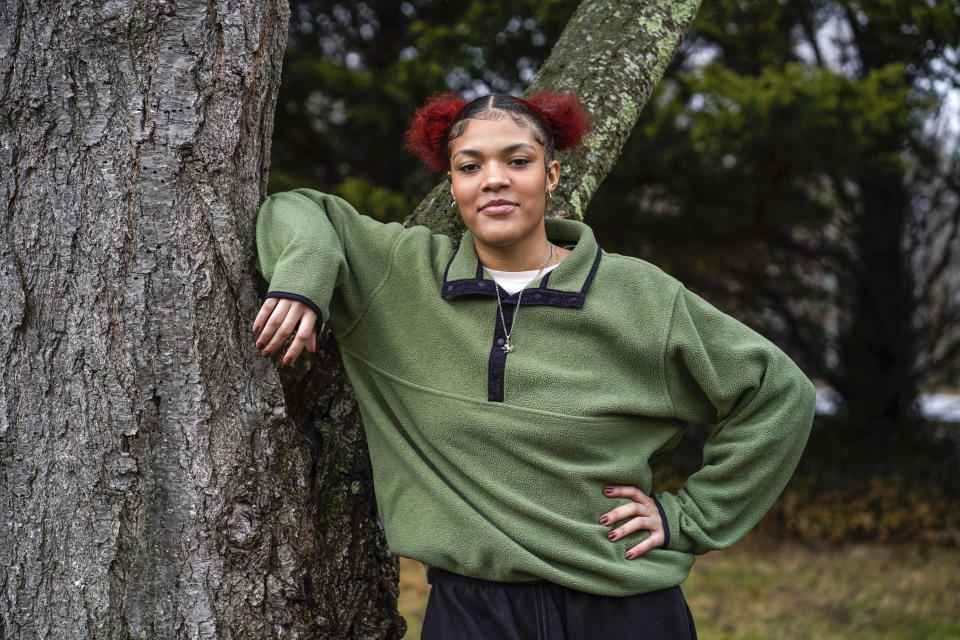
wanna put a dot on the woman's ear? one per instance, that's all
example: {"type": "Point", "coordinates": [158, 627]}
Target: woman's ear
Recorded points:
{"type": "Point", "coordinates": [553, 175]}
{"type": "Point", "coordinates": [449, 179]}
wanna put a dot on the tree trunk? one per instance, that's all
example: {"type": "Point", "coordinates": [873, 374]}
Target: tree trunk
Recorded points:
{"type": "Point", "coordinates": [879, 373]}
{"type": "Point", "coordinates": [154, 484]}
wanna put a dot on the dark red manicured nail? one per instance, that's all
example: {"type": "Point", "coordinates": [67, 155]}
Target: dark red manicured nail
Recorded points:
{"type": "Point", "coordinates": [611, 535]}
{"type": "Point", "coordinates": [608, 490]}
{"type": "Point", "coordinates": [629, 555]}
{"type": "Point", "coordinates": [603, 520]}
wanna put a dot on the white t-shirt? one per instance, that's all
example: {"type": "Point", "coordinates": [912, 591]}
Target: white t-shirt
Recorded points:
{"type": "Point", "coordinates": [513, 281]}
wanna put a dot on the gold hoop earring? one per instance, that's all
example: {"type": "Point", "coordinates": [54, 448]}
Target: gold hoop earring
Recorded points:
{"type": "Point", "coordinates": [549, 195]}
{"type": "Point", "coordinates": [454, 207]}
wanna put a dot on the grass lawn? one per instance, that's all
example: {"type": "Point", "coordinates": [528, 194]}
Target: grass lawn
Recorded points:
{"type": "Point", "coordinates": [763, 589]}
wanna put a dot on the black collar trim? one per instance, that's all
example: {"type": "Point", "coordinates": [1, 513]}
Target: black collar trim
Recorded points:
{"type": "Point", "coordinates": [541, 294]}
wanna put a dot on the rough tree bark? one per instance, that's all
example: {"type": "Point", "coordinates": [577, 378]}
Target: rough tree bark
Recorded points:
{"type": "Point", "coordinates": [155, 481]}
{"type": "Point", "coordinates": [152, 487]}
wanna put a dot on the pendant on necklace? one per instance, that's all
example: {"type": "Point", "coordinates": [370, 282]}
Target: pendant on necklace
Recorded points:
{"type": "Point", "coordinates": [507, 347]}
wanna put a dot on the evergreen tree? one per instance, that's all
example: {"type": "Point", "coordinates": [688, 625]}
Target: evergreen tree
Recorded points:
{"type": "Point", "coordinates": [786, 170]}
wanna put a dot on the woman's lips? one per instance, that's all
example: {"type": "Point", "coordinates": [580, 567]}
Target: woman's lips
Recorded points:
{"type": "Point", "coordinates": [496, 209]}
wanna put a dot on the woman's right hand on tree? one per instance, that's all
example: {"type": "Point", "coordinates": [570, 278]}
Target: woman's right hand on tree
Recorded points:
{"type": "Point", "coordinates": [277, 318]}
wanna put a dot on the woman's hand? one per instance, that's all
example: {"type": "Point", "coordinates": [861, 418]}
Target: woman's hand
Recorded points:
{"type": "Point", "coordinates": [277, 318]}
{"type": "Point", "coordinates": [643, 514]}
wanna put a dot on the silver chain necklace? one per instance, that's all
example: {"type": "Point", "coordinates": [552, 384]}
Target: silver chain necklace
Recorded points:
{"type": "Point", "coordinates": [507, 347]}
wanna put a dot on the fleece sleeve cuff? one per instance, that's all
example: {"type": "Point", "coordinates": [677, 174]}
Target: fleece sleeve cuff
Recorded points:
{"type": "Point", "coordinates": [670, 513]}
{"type": "Point", "coordinates": [663, 519]}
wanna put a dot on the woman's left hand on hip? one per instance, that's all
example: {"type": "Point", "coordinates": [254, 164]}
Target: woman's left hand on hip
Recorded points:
{"type": "Point", "coordinates": [640, 513]}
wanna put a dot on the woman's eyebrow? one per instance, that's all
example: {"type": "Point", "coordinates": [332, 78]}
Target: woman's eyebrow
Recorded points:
{"type": "Point", "coordinates": [506, 150]}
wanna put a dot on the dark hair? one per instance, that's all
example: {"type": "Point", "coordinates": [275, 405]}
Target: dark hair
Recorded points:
{"type": "Point", "coordinates": [557, 121]}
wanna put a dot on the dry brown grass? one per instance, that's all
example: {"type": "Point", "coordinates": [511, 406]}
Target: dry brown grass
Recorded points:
{"type": "Point", "coordinates": [760, 589]}
{"type": "Point", "coordinates": [413, 595]}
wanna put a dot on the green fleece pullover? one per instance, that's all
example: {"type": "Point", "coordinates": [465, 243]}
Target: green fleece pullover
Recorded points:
{"type": "Point", "coordinates": [492, 465]}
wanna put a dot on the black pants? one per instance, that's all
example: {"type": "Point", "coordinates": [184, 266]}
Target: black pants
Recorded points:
{"type": "Point", "coordinates": [462, 608]}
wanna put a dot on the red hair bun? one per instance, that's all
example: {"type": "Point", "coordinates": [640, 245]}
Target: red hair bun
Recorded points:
{"type": "Point", "coordinates": [564, 114]}
{"type": "Point", "coordinates": [427, 135]}
{"type": "Point", "coordinates": [561, 114]}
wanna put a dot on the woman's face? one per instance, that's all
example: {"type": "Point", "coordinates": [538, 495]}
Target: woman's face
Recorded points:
{"type": "Point", "coordinates": [498, 178]}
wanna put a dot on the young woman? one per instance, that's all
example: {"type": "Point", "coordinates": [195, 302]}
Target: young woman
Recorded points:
{"type": "Point", "coordinates": [515, 386]}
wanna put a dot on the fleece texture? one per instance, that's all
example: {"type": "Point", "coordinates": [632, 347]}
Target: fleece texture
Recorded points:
{"type": "Point", "coordinates": [492, 465]}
